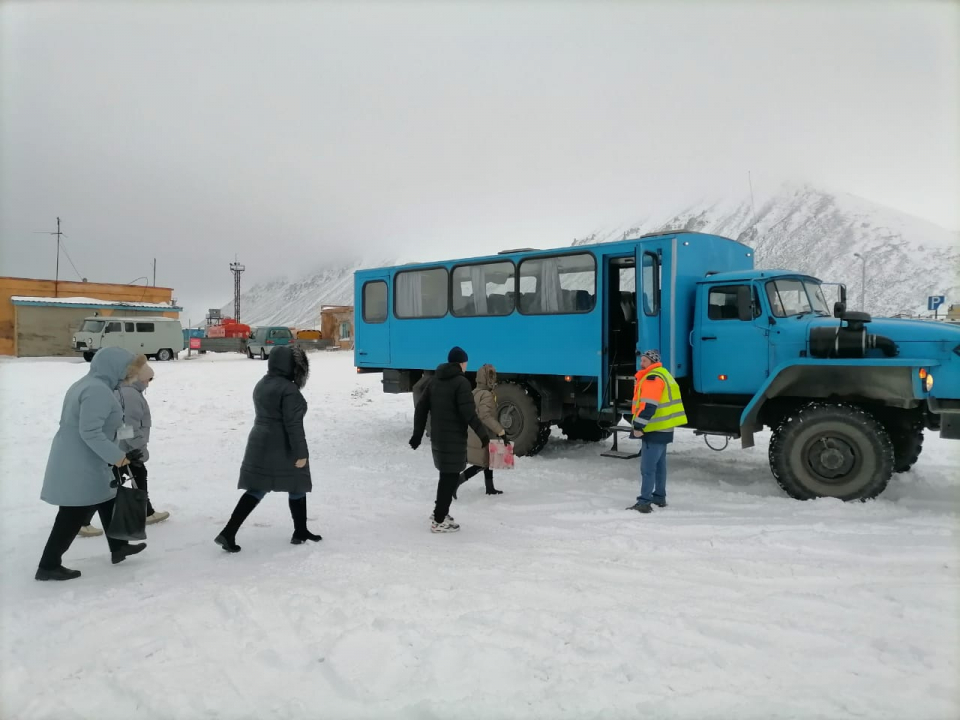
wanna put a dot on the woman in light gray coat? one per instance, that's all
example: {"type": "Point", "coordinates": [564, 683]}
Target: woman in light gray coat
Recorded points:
{"type": "Point", "coordinates": [78, 477]}
{"type": "Point", "coordinates": [137, 417]}
{"type": "Point", "coordinates": [136, 414]}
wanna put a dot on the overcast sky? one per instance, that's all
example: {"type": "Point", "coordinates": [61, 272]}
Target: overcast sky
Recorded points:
{"type": "Point", "coordinates": [297, 134]}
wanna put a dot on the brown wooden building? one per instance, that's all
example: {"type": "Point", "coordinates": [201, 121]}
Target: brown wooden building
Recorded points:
{"type": "Point", "coordinates": [39, 317]}
{"type": "Point", "coordinates": [336, 325]}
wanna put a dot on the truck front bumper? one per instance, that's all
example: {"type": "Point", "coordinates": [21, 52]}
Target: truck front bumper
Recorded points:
{"type": "Point", "coordinates": [949, 412]}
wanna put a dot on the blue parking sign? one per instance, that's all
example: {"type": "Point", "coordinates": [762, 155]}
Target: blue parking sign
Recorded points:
{"type": "Point", "coordinates": [935, 301]}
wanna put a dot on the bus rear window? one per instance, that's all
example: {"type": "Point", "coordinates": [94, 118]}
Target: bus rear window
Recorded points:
{"type": "Point", "coordinates": [375, 302]}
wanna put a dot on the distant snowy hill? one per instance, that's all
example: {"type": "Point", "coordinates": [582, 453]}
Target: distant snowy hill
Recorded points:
{"type": "Point", "coordinates": [795, 227]}
{"type": "Point", "coordinates": [802, 228]}
{"type": "Point", "coordinates": [296, 303]}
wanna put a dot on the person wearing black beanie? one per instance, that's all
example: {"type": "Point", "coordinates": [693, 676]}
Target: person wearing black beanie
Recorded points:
{"type": "Point", "coordinates": [448, 400]}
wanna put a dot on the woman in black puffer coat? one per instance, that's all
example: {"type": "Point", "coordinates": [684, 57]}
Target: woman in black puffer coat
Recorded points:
{"type": "Point", "coordinates": [276, 456]}
{"type": "Point", "coordinates": [449, 402]}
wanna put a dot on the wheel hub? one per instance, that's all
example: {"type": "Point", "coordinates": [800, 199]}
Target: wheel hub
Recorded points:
{"type": "Point", "coordinates": [511, 419]}
{"type": "Point", "coordinates": [832, 458]}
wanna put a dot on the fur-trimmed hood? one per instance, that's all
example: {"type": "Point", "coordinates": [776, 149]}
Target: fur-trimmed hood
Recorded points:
{"type": "Point", "coordinates": [290, 363]}
{"type": "Point", "coordinates": [486, 377]}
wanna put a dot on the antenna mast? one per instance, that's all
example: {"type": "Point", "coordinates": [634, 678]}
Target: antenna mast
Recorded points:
{"type": "Point", "coordinates": [237, 270]}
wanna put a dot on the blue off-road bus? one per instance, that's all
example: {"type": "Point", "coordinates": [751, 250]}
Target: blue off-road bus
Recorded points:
{"type": "Point", "coordinates": [848, 397]}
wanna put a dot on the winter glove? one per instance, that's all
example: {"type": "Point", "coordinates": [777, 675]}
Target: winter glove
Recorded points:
{"type": "Point", "coordinates": [135, 456]}
{"type": "Point", "coordinates": [485, 441]}
{"type": "Point", "coordinates": [414, 442]}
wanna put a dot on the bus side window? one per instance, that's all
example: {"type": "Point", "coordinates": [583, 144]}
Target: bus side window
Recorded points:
{"type": "Point", "coordinates": [558, 284]}
{"type": "Point", "coordinates": [483, 289]}
{"type": "Point", "coordinates": [420, 293]}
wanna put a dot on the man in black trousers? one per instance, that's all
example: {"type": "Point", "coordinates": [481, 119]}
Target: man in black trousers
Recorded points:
{"type": "Point", "coordinates": [448, 399]}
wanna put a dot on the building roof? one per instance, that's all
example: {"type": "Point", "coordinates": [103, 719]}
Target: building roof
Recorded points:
{"type": "Point", "coordinates": [79, 282]}
{"type": "Point", "coordinates": [84, 302]}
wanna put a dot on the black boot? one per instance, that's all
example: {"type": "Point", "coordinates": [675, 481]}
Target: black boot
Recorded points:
{"type": "Point", "coordinates": [488, 481]}
{"type": "Point", "coordinates": [118, 556]}
{"type": "Point", "coordinates": [228, 536]}
{"type": "Point", "coordinates": [464, 476]}
{"type": "Point", "coordinates": [60, 573]}
{"type": "Point", "coordinates": [298, 511]}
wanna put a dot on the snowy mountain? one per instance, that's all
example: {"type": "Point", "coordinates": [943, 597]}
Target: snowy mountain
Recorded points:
{"type": "Point", "coordinates": [794, 227]}
{"type": "Point", "coordinates": [296, 303]}
{"type": "Point", "coordinates": [804, 228]}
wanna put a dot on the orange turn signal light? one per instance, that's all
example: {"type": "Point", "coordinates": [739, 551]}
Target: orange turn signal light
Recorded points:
{"type": "Point", "coordinates": [721, 377]}
{"type": "Point", "coordinates": [568, 378]}
{"type": "Point", "coordinates": [923, 374]}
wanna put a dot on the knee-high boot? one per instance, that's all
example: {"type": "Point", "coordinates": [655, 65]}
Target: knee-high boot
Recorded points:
{"type": "Point", "coordinates": [227, 537]}
{"type": "Point", "coordinates": [488, 481]}
{"type": "Point", "coordinates": [298, 511]}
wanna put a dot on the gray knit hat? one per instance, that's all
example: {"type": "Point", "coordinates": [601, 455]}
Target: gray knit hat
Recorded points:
{"type": "Point", "coordinates": [652, 355]}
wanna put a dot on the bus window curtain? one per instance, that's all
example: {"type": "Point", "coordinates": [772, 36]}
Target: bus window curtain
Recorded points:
{"type": "Point", "coordinates": [478, 280]}
{"type": "Point", "coordinates": [409, 294]}
{"type": "Point", "coordinates": [551, 296]}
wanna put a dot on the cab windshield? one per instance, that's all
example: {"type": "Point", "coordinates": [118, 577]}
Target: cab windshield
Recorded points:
{"type": "Point", "coordinates": [791, 297]}
{"type": "Point", "coordinates": [92, 326]}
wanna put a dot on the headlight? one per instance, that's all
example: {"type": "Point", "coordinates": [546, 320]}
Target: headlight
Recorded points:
{"type": "Point", "coordinates": [929, 382]}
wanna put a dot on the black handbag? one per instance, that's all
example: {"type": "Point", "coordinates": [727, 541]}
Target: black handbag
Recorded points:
{"type": "Point", "coordinates": [129, 521]}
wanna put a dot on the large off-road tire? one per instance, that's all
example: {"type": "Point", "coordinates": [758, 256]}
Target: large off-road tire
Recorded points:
{"type": "Point", "coordinates": [519, 415]}
{"type": "Point", "coordinates": [543, 437]}
{"type": "Point", "coordinates": [165, 355]}
{"type": "Point", "coordinates": [907, 444]}
{"type": "Point", "coordinates": [831, 450]}
{"type": "Point", "coordinates": [584, 429]}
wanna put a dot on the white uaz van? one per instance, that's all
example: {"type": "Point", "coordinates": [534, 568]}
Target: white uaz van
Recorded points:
{"type": "Point", "coordinates": [155, 337]}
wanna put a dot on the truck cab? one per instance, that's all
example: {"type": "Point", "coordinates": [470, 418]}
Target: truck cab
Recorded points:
{"type": "Point", "coordinates": [847, 397]}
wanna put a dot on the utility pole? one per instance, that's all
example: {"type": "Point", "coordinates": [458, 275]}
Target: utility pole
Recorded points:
{"type": "Point", "coordinates": [863, 281]}
{"type": "Point", "coordinates": [237, 270]}
{"type": "Point", "coordinates": [56, 281]}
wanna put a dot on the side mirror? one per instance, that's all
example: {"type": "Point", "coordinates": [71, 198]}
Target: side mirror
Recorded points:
{"type": "Point", "coordinates": [745, 303]}
{"type": "Point", "coordinates": [839, 308]}
{"type": "Point", "coordinates": [106, 329]}
{"type": "Point", "coordinates": [843, 293]}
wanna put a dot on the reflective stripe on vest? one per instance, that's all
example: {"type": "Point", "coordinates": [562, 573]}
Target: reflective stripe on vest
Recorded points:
{"type": "Point", "coordinates": [670, 413]}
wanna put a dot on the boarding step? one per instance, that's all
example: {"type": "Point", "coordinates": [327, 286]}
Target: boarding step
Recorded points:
{"type": "Point", "coordinates": [614, 451]}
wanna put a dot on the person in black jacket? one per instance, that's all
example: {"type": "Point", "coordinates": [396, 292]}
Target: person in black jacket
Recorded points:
{"type": "Point", "coordinates": [276, 455]}
{"type": "Point", "coordinates": [449, 402]}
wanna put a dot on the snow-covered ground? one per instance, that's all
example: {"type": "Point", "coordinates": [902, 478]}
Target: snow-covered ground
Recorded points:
{"type": "Point", "coordinates": [552, 601]}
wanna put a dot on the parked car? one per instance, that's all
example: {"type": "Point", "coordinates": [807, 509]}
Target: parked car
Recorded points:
{"type": "Point", "coordinates": [264, 339]}
{"type": "Point", "coordinates": [156, 337]}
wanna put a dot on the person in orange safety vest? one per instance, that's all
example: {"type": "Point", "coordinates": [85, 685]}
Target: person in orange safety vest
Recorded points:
{"type": "Point", "coordinates": [657, 410]}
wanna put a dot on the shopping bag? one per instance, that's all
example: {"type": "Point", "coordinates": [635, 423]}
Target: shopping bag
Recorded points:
{"type": "Point", "coordinates": [501, 455]}
{"type": "Point", "coordinates": [129, 521]}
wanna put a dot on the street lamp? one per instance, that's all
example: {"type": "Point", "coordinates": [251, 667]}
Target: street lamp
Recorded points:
{"type": "Point", "coordinates": [863, 281]}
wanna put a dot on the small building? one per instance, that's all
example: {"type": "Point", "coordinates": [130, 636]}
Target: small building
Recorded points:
{"type": "Point", "coordinates": [39, 317]}
{"type": "Point", "coordinates": [336, 325]}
